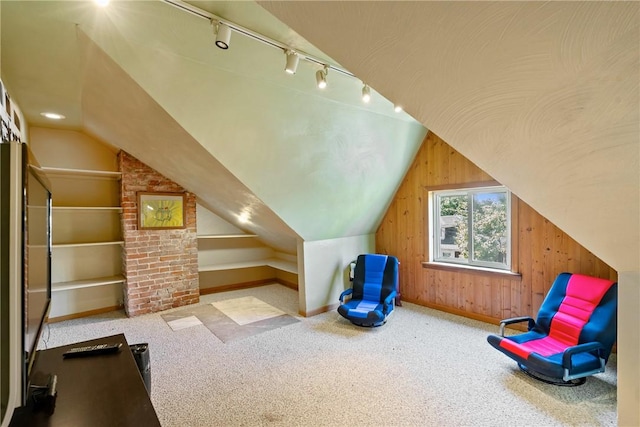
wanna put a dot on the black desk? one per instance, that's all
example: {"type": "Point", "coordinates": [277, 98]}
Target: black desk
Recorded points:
{"type": "Point", "coordinates": [95, 391]}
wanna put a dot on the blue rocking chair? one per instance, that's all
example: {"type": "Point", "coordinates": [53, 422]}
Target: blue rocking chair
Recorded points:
{"type": "Point", "coordinates": [375, 285]}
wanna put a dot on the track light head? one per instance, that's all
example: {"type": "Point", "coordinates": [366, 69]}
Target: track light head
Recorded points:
{"type": "Point", "coordinates": [223, 35]}
{"type": "Point", "coordinates": [292, 62]}
{"type": "Point", "coordinates": [321, 78]}
{"type": "Point", "coordinates": [366, 93]}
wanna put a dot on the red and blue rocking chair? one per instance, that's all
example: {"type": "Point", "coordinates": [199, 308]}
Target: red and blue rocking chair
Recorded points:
{"type": "Point", "coordinates": [573, 335]}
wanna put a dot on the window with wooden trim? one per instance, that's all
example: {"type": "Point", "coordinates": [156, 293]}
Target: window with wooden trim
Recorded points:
{"type": "Point", "coordinates": [472, 227]}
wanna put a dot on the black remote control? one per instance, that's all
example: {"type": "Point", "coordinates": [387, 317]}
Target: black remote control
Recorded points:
{"type": "Point", "coordinates": [92, 350]}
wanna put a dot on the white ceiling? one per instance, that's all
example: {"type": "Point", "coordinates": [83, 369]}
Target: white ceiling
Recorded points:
{"type": "Point", "coordinates": [230, 125]}
{"type": "Point", "coordinates": [544, 96]}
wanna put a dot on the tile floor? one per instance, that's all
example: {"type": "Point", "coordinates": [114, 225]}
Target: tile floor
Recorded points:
{"type": "Point", "coordinates": [231, 319]}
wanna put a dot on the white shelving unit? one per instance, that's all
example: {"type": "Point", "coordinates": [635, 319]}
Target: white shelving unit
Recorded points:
{"type": "Point", "coordinates": [75, 173]}
{"type": "Point", "coordinates": [86, 245]}
{"type": "Point", "coordinates": [228, 257]}
{"type": "Point", "coordinates": [226, 236]}
{"type": "Point", "coordinates": [270, 262]}
{"type": "Point", "coordinates": [79, 284]}
{"type": "Point", "coordinates": [87, 241]}
{"type": "Point", "coordinates": [260, 257]}
{"type": "Point", "coordinates": [86, 267]}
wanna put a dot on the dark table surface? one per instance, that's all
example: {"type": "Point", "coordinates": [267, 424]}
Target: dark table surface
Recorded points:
{"type": "Point", "coordinates": [101, 390]}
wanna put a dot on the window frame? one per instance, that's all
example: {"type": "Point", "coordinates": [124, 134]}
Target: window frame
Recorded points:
{"type": "Point", "coordinates": [435, 221]}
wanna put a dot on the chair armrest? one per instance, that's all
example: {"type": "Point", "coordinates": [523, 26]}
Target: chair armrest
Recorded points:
{"type": "Point", "coordinates": [580, 348]}
{"type": "Point", "coordinates": [513, 320]}
{"type": "Point", "coordinates": [345, 293]}
{"type": "Point", "coordinates": [387, 301]}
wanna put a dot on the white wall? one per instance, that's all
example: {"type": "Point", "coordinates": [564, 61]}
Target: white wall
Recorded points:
{"type": "Point", "coordinates": [628, 348]}
{"type": "Point", "coordinates": [309, 150]}
{"type": "Point", "coordinates": [323, 266]}
{"type": "Point", "coordinates": [210, 223]}
{"type": "Point", "coordinates": [71, 149]}
{"type": "Point", "coordinates": [14, 317]}
{"type": "Point", "coordinates": [12, 376]}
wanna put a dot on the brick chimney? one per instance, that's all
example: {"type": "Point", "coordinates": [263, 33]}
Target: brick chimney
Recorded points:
{"type": "Point", "coordinates": [160, 266]}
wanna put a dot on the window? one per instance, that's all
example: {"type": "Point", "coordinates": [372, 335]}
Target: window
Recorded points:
{"type": "Point", "coordinates": [472, 227]}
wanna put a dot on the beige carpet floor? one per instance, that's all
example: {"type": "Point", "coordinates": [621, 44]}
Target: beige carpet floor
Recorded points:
{"type": "Point", "coordinates": [422, 368]}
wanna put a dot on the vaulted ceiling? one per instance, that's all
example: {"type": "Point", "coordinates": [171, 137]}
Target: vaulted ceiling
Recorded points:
{"type": "Point", "coordinates": [544, 96]}
{"type": "Point", "coordinates": [229, 125]}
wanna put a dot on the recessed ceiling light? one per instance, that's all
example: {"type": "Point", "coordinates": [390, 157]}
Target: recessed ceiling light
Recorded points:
{"type": "Point", "coordinates": [102, 3]}
{"type": "Point", "coordinates": [397, 108]}
{"type": "Point", "coordinates": [53, 116]}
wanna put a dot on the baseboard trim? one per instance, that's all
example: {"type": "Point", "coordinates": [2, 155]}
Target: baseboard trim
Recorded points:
{"type": "Point", "coordinates": [475, 316]}
{"type": "Point", "coordinates": [85, 313]}
{"type": "Point", "coordinates": [291, 285]}
{"type": "Point", "coordinates": [320, 310]}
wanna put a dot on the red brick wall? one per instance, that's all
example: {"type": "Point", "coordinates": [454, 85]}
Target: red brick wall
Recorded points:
{"type": "Point", "coordinates": [160, 266]}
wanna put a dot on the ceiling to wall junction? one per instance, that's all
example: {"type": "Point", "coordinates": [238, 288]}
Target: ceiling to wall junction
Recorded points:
{"type": "Point", "coordinates": [544, 96]}
{"type": "Point", "coordinates": [230, 125]}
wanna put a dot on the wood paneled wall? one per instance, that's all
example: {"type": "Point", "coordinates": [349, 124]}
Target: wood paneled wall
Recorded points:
{"type": "Point", "coordinates": [540, 249]}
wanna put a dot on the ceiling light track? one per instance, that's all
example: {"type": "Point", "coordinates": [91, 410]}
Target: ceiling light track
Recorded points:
{"type": "Point", "coordinates": [216, 20]}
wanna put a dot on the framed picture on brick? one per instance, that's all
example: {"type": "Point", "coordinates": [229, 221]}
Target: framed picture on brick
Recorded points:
{"type": "Point", "coordinates": [160, 211]}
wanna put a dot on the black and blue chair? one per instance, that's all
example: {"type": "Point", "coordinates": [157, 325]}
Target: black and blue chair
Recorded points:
{"type": "Point", "coordinates": [374, 289]}
{"type": "Point", "coordinates": [573, 335]}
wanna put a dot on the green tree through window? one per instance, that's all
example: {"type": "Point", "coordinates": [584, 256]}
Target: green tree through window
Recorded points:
{"type": "Point", "coordinates": [488, 243]}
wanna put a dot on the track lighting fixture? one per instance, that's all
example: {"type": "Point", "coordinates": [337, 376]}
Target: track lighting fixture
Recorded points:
{"type": "Point", "coordinates": [222, 30]}
{"type": "Point", "coordinates": [366, 93]}
{"type": "Point", "coordinates": [321, 77]}
{"type": "Point", "coordinates": [223, 35]}
{"type": "Point", "coordinates": [292, 62]}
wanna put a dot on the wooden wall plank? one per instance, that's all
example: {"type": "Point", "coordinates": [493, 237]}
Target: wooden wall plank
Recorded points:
{"type": "Point", "coordinates": [432, 286]}
{"type": "Point", "coordinates": [541, 250]}
{"type": "Point", "coordinates": [505, 300]}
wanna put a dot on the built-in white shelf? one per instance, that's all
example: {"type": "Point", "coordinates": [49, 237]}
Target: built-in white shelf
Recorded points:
{"type": "Point", "coordinates": [87, 244]}
{"type": "Point", "coordinates": [283, 265]}
{"type": "Point", "coordinates": [75, 173]}
{"type": "Point", "coordinates": [87, 208]}
{"type": "Point", "coordinates": [88, 283]}
{"type": "Point", "coordinates": [86, 257]}
{"type": "Point", "coordinates": [226, 236]}
{"type": "Point", "coordinates": [271, 262]}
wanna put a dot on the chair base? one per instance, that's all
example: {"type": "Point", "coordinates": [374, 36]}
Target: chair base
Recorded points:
{"type": "Point", "coordinates": [368, 325]}
{"type": "Point", "coordinates": [553, 381]}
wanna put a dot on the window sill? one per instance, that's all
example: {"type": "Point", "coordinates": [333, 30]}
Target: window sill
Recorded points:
{"type": "Point", "coordinates": [472, 270]}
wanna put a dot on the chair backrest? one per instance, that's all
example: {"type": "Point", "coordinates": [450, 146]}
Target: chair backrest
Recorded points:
{"type": "Point", "coordinates": [375, 277]}
{"type": "Point", "coordinates": [580, 309]}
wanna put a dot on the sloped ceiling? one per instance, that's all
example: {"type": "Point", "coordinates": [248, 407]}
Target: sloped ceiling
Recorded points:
{"type": "Point", "coordinates": [230, 126]}
{"type": "Point", "coordinates": [142, 128]}
{"type": "Point", "coordinates": [541, 95]}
